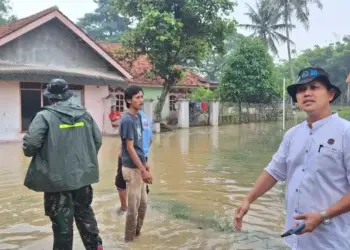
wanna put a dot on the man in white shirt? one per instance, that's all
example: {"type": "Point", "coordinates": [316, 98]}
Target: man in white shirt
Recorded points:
{"type": "Point", "coordinates": [314, 161]}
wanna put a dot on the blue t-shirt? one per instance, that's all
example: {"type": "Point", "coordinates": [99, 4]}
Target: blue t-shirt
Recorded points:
{"type": "Point", "coordinates": [147, 132]}
{"type": "Point", "coordinates": [130, 128]}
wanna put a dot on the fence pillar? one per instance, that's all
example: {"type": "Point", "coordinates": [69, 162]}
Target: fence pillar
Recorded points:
{"type": "Point", "coordinates": [183, 119]}
{"type": "Point", "coordinates": [214, 113]}
{"type": "Point", "coordinates": [148, 108]}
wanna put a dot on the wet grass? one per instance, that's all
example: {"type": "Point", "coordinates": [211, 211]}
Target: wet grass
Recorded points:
{"type": "Point", "coordinates": [217, 222]}
{"type": "Point", "coordinates": [181, 211]}
{"type": "Point", "coordinates": [343, 111]}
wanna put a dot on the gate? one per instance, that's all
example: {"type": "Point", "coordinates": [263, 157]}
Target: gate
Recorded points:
{"type": "Point", "coordinates": [199, 114]}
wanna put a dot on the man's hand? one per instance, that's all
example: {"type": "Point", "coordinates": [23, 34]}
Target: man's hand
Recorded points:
{"type": "Point", "coordinates": [239, 214]}
{"type": "Point", "coordinates": [312, 220]}
{"type": "Point", "coordinates": [148, 168]}
{"type": "Point", "coordinates": [146, 176]}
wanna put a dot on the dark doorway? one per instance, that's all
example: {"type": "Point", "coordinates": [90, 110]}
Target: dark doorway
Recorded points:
{"type": "Point", "coordinates": [45, 101]}
{"type": "Point", "coordinates": [32, 99]}
{"type": "Point", "coordinates": [31, 104]}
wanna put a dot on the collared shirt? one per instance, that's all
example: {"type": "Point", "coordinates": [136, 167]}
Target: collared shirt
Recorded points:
{"type": "Point", "coordinates": [315, 164]}
{"type": "Point", "coordinates": [147, 132]}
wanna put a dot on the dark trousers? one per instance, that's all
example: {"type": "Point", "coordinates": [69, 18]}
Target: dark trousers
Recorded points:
{"type": "Point", "coordinates": [62, 208]}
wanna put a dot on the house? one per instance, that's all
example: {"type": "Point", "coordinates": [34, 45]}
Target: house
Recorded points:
{"type": "Point", "coordinates": [140, 69]}
{"type": "Point", "coordinates": [47, 45]}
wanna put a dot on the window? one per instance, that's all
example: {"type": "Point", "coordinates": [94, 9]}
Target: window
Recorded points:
{"type": "Point", "coordinates": [117, 98]}
{"type": "Point", "coordinates": [172, 101]}
{"type": "Point", "coordinates": [119, 102]}
{"type": "Point", "coordinates": [32, 99]}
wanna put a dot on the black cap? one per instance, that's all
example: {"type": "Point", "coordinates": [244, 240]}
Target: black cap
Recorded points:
{"type": "Point", "coordinates": [308, 75]}
{"type": "Point", "coordinates": [58, 89]}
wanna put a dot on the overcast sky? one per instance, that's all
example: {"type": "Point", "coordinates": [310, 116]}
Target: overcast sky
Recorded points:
{"type": "Point", "coordinates": [327, 25]}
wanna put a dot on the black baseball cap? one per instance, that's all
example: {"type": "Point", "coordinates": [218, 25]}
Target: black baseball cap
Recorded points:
{"type": "Point", "coordinates": [308, 75]}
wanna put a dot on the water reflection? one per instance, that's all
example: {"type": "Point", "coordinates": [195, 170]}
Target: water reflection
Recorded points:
{"type": "Point", "coordinates": [184, 136]}
{"type": "Point", "coordinates": [214, 134]}
{"type": "Point", "coordinates": [200, 176]}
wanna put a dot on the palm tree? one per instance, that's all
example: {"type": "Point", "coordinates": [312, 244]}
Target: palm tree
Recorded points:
{"type": "Point", "coordinates": [265, 23]}
{"type": "Point", "coordinates": [298, 9]}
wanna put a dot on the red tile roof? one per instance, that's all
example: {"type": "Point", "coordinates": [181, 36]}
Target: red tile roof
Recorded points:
{"type": "Point", "coordinates": [7, 29]}
{"type": "Point", "coordinates": [141, 66]}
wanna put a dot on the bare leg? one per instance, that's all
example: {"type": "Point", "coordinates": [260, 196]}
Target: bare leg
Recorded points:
{"type": "Point", "coordinates": [122, 198]}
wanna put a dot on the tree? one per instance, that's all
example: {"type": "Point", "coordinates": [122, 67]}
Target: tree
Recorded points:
{"type": "Point", "coordinates": [265, 23]}
{"type": "Point", "coordinates": [105, 23]}
{"type": "Point", "coordinates": [334, 58]}
{"type": "Point", "coordinates": [174, 31]}
{"type": "Point", "coordinates": [248, 75]}
{"type": "Point", "coordinates": [202, 94]}
{"type": "Point", "coordinates": [300, 10]}
{"type": "Point", "coordinates": [211, 67]}
{"type": "Point", "coordinates": [5, 12]}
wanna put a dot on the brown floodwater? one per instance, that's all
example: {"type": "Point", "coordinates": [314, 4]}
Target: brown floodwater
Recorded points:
{"type": "Point", "coordinates": [200, 176]}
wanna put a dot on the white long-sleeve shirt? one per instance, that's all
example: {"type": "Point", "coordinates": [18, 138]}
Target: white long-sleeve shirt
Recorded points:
{"type": "Point", "coordinates": [315, 163]}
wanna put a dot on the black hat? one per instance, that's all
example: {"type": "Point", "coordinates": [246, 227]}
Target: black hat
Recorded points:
{"type": "Point", "coordinates": [58, 89]}
{"type": "Point", "coordinates": [308, 75]}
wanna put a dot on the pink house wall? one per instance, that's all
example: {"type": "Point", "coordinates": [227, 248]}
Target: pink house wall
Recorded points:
{"type": "Point", "coordinates": [94, 103]}
{"type": "Point", "coordinates": [10, 111]}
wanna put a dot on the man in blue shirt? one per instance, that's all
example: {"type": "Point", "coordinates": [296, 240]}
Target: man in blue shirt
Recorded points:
{"type": "Point", "coordinates": [147, 141]}
{"type": "Point", "coordinates": [147, 132]}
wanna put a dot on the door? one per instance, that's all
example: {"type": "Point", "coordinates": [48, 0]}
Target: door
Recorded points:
{"type": "Point", "coordinates": [30, 104]}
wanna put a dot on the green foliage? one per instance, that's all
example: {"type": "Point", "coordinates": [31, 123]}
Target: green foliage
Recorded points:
{"type": "Point", "coordinates": [300, 10]}
{"type": "Point", "coordinates": [249, 74]}
{"type": "Point", "coordinates": [105, 23]}
{"type": "Point", "coordinates": [158, 35]}
{"type": "Point", "coordinates": [149, 74]}
{"type": "Point", "coordinates": [173, 32]}
{"type": "Point", "coordinates": [334, 58]}
{"type": "Point", "coordinates": [266, 23]}
{"type": "Point", "coordinates": [202, 94]}
{"type": "Point", "coordinates": [5, 12]}
{"type": "Point", "coordinates": [212, 66]}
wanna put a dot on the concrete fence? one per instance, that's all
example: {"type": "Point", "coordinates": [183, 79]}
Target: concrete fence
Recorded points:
{"type": "Point", "coordinates": [231, 113]}
{"type": "Point", "coordinates": [217, 113]}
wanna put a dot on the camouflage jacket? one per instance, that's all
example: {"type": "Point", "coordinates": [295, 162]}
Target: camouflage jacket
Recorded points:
{"type": "Point", "coordinates": [63, 141]}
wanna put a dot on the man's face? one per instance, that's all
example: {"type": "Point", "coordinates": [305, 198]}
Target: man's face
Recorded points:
{"type": "Point", "coordinates": [314, 96]}
{"type": "Point", "coordinates": [137, 101]}
{"type": "Point", "coordinates": [114, 108]}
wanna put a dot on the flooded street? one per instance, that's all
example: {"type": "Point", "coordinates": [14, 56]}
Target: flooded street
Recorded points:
{"type": "Point", "coordinates": [200, 175]}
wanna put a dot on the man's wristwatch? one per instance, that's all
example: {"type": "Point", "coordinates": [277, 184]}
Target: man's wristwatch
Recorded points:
{"type": "Point", "coordinates": [325, 220]}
